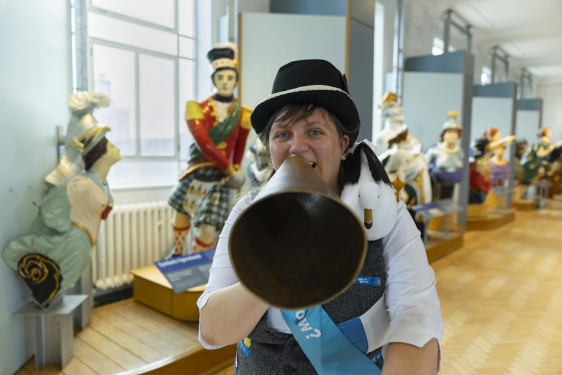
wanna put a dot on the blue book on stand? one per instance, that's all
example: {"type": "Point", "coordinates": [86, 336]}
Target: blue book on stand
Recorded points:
{"type": "Point", "coordinates": [187, 271]}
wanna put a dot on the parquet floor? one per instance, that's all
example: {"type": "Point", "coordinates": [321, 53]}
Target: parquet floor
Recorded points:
{"type": "Point", "coordinates": [125, 337]}
{"type": "Point", "coordinates": [501, 297]}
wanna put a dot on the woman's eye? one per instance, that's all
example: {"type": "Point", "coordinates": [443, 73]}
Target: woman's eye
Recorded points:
{"type": "Point", "coordinates": [282, 135]}
{"type": "Point", "coordinates": [315, 132]}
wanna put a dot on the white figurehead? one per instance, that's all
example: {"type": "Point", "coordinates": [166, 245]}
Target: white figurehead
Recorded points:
{"type": "Point", "coordinates": [81, 106]}
{"type": "Point", "coordinates": [393, 124]}
{"type": "Point", "coordinates": [445, 160]}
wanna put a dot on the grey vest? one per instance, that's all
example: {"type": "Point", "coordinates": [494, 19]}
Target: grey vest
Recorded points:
{"type": "Point", "coordinates": [274, 353]}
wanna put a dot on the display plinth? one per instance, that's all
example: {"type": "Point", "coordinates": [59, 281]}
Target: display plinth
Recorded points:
{"type": "Point", "coordinates": [495, 201]}
{"type": "Point", "coordinates": [476, 210]}
{"type": "Point", "coordinates": [492, 220]}
{"type": "Point", "coordinates": [151, 288]}
{"type": "Point", "coordinates": [524, 205]}
{"type": "Point", "coordinates": [441, 244]}
{"type": "Point", "coordinates": [442, 223]}
{"type": "Point", "coordinates": [554, 188]}
{"type": "Point", "coordinates": [54, 339]}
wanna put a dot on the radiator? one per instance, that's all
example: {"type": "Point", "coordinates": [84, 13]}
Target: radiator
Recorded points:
{"type": "Point", "coordinates": [133, 236]}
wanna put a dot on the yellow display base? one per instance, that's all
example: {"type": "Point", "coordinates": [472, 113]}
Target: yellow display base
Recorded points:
{"type": "Point", "coordinates": [492, 220]}
{"type": "Point", "coordinates": [441, 223]}
{"type": "Point", "coordinates": [524, 205]}
{"type": "Point", "coordinates": [477, 210]}
{"type": "Point", "coordinates": [494, 201]}
{"type": "Point", "coordinates": [151, 288]}
{"type": "Point", "coordinates": [440, 244]}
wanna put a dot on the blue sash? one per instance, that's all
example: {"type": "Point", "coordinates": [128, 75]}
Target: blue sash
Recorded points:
{"type": "Point", "coordinates": [326, 347]}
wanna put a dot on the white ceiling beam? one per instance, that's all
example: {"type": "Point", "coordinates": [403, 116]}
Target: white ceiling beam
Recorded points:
{"type": "Point", "coordinates": [550, 81]}
{"type": "Point", "coordinates": [441, 5]}
{"type": "Point", "coordinates": [555, 59]}
{"type": "Point", "coordinates": [520, 34]}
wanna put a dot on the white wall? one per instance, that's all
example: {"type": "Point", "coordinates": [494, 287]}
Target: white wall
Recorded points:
{"type": "Point", "coordinates": [428, 98]}
{"type": "Point", "coordinates": [491, 112]}
{"type": "Point", "coordinates": [527, 125]}
{"type": "Point", "coordinates": [261, 58]}
{"type": "Point", "coordinates": [552, 108]}
{"type": "Point", "coordinates": [35, 71]}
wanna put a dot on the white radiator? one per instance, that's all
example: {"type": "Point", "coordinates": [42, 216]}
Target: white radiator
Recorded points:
{"type": "Point", "coordinates": [133, 236]}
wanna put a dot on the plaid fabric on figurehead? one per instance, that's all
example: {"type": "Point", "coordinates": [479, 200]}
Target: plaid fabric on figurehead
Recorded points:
{"type": "Point", "coordinates": [309, 81]}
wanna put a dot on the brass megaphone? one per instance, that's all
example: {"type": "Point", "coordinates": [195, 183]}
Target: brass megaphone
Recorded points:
{"type": "Point", "coordinates": [297, 245]}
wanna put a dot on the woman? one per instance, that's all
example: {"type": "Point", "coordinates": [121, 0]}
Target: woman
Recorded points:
{"type": "Point", "coordinates": [310, 114]}
{"type": "Point", "coordinates": [52, 258]}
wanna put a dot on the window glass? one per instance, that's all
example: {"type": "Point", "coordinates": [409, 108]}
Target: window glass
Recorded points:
{"type": "Point", "coordinates": [128, 33]}
{"type": "Point", "coordinates": [486, 76]}
{"type": "Point", "coordinates": [187, 47]}
{"type": "Point", "coordinates": [186, 19]}
{"type": "Point", "coordinates": [114, 76]}
{"type": "Point", "coordinates": [157, 106]}
{"type": "Point", "coordinates": [438, 46]}
{"type": "Point", "coordinates": [132, 173]}
{"type": "Point", "coordinates": [160, 12]}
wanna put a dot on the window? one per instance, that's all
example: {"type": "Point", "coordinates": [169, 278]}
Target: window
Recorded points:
{"type": "Point", "coordinates": [142, 55]}
{"type": "Point", "coordinates": [438, 47]}
{"type": "Point", "coordinates": [486, 76]}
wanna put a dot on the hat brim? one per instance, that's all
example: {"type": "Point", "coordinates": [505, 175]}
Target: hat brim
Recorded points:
{"type": "Point", "coordinates": [334, 100]}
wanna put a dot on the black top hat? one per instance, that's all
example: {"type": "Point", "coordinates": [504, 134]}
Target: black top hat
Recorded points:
{"type": "Point", "coordinates": [220, 53]}
{"type": "Point", "coordinates": [309, 81]}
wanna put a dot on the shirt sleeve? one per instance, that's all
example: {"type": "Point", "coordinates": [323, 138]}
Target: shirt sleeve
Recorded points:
{"type": "Point", "coordinates": [411, 297]}
{"type": "Point", "coordinates": [221, 274]}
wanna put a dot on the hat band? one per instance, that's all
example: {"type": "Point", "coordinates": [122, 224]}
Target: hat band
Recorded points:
{"type": "Point", "coordinates": [223, 63]}
{"type": "Point", "coordinates": [303, 89]}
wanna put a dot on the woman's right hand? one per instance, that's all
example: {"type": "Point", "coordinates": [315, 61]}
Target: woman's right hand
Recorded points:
{"type": "Point", "coordinates": [230, 314]}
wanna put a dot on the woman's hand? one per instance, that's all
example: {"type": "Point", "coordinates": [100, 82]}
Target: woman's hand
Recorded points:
{"type": "Point", "coordinates": [406, 359]}
{"type": "Point", "coordinates": [230, 315]}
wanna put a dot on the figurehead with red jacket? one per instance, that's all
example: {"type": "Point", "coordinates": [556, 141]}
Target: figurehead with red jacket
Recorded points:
{"type": "Point", "coordinates": [219, 126]}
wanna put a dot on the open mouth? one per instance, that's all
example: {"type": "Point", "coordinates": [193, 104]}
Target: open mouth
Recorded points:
{"type": "Point", "coordinates": [312, 164]}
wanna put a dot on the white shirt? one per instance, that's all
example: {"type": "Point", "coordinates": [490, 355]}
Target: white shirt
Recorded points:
{"type": "Point", "coordinates": [412, 305]}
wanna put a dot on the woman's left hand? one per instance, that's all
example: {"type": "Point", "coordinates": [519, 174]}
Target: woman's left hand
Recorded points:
{"type": "Point", "coordinates": [406, 359]}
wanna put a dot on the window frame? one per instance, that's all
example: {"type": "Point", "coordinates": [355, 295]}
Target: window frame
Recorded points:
{"type": "Point", "coordinates": [80, 18]}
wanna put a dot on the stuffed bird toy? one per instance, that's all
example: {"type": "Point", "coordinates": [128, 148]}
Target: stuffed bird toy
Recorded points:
{"type": "Point", "coordinates": [368, 191]}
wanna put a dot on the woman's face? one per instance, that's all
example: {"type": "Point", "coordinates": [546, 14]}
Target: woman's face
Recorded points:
{"type": "Point", "coordinates": [225, 80]}
{"type": "Point", "coordinates": [315, 138]}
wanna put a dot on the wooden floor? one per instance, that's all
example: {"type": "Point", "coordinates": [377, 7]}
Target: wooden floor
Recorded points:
{"type": "Point", "coordinates": [501, 297]}
{"type": "Point", "coordinates": [125, 337]}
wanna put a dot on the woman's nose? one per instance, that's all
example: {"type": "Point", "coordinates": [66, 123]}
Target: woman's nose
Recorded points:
{"type": "Point", "coordinates": [299, 145]}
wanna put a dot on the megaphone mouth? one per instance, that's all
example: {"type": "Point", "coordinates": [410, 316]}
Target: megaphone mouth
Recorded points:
{"type": "Point", "coordinates": [304, 249]}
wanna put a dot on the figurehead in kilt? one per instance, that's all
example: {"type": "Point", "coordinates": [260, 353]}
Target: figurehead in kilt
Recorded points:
{"type": "Point", "coordinates": [219, 126]}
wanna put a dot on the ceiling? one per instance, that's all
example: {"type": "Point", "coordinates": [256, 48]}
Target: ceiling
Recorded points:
{"type": "Point", "coordinates": [529, 31]}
